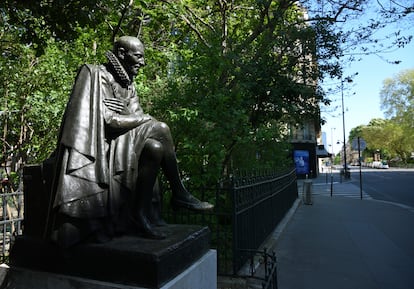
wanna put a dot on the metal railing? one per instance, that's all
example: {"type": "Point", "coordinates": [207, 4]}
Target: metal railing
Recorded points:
{"type": "Point", "coordinates": [259, 204]}
{"type": "Point", "coordinates": [262, 269]}
{"type": "Point", "coordinates": [247, 209]}
{"type": "Point", "coordinates": [10, 219]}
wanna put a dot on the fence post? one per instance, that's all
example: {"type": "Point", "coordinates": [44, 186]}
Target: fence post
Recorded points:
{"type": "Point", "coordinates": [235, 225]}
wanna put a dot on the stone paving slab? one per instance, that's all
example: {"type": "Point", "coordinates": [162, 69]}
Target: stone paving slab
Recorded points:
{"type": "Point", "coordinates": [346, 242]}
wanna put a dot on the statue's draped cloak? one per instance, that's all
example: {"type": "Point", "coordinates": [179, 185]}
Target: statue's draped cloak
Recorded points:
{"type": "Point", "coordinates": [97, 165]}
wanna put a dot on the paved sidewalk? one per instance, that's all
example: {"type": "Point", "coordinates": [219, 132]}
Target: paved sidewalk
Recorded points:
{"type": "Point", "coordinates": [345, 242]}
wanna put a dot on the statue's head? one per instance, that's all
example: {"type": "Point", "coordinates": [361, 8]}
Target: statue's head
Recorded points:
{"type": "Point", "coordinates": [130, 52]}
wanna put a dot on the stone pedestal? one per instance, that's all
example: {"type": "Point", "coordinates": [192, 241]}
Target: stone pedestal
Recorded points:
{"type": "Point", "coordinates": [125, 262]}
{"type": "Point", "coordinates": [202, 274]}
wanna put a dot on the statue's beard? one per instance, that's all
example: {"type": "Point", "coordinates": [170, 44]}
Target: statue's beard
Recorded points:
{"type": "Point", "coordinates": [133, 70]}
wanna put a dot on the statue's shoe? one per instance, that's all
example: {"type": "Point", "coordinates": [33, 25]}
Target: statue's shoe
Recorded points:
{"type": "Point", "coordinates": [152, 234]}
{"type": "Point", "coordinates": [145, 230]}
{"type": "Point", "coordinates": [191, 203]}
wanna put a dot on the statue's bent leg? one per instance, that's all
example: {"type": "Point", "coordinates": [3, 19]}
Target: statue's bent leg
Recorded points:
{"type": "Point", "coordinates": [180, 196]}
{"type": "Point", "coordinates": [149, 164]}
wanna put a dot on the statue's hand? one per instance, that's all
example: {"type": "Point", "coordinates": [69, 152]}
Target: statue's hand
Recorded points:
{"type": "Point", "coordinates": [116, 105]}
{"type": "Point", "coordinates": [145, 118]}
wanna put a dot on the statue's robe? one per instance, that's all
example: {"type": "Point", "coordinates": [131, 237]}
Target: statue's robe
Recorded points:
{"type": "Point", "coordinates": [97, 157]}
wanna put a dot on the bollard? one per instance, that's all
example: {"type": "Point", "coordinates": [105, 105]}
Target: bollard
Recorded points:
{"type": "Point", "coordinates": [331, 184]}
{"type": "Point", "coordinates": [307, 192]}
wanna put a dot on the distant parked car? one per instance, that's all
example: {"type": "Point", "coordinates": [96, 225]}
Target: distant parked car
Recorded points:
{"type": "Point", "coordinates": [376, 165]}
{"type": "Point", "coordinates": [384, 165]}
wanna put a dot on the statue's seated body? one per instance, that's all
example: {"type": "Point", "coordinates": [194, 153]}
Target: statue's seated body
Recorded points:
{"type": "Point", "coordinates": [109, 155]}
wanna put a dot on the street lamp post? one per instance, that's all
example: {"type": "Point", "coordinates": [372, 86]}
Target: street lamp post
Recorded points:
{"type": "Point", "coordinates": [346, 175]}
{"type": "Point", "coordinates": [332, 149]}
{"type": "Point", "coordinates": [332, 153]}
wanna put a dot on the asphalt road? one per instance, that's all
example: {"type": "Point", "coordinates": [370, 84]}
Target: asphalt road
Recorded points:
{"type": "Point", "coordinates": [391, 185]}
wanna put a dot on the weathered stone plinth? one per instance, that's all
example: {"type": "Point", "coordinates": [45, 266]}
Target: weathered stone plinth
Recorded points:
{"type": "Point", "coordinates": [202, 274]}
{"type": "Point", "coordinates": [127, 260]}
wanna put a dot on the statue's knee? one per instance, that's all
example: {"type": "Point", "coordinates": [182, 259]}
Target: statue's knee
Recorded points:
{"type": "Point", "coordinates": [153, 149]}
{"type": "Point", "coordinates": [163, 128]}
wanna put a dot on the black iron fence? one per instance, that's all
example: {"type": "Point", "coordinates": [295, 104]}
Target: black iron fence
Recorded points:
{"type": "Point", "coordinates": [10, 219]}
{"type": "Point", "coordinates": [247, 209]}
{"type": "Point", "coordinates": [262, 269]}
{"type": "Point", "coordinates": [260, 203]}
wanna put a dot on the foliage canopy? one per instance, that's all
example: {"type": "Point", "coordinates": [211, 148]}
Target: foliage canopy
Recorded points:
{"type": "Point", "coordinates": [392, 137]}
{"type": "Point", "coordinates": [228, 76]}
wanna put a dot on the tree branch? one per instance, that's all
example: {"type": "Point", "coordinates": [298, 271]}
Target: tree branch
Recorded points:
{"type": "Point", "coordinates": [118, 26]}
{"type": "Point", "coordinates": [191, 25]}
{"type": "Point", "coordinates": [198, 33]}
{"type": "Point", "coordinates": [271, 25]}
{"type": "Point", "coordinates": [199, 18]}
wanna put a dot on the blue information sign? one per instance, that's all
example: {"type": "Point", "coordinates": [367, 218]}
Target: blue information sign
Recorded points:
{"type": "Point", "coordinates": [301, 158]}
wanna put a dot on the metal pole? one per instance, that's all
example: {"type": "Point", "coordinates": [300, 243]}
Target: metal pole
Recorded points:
{"type": "Point", "coordinates": [360, 165]}
{"type": "Point", "coordinates": [343, 126]}
{"type": "Point", "coordinates": [332, 153]}
{"type": "Point", "coordinates": [331, 184]}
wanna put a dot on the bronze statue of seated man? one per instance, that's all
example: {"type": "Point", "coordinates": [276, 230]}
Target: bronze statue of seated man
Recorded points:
{"type": "Point", "coordinates": [109, 155]}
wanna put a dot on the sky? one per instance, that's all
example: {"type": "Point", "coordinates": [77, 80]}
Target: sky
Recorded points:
{"type": "Point", "coordinates": [362, 96]}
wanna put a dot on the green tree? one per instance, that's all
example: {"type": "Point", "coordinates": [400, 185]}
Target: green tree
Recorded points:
{"type": "Point", "coordinates": [239, 72]}
{"type": "Point", "coordinates": [397, 100]}
{"type": "Point", "coordinates": [375, 135]}
{"type": "Point", "coordinates": [389, 138]}
{"type": "Point", "coordinates": [356, 132]}
{"type": "Point", "coordinates": [397, 97]}
{"type": "Point", "coordinates": [35, 88]}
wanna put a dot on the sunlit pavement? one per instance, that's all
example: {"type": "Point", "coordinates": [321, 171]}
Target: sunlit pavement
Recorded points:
{"type": "Point", "coordinates": [345, 242]}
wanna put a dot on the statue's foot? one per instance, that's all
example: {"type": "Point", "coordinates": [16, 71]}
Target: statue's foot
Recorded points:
{"type": "Point", "coordinates": [152, 234]}
{"type": "Point", "coordinates": [191, 203]}
{"type": "Point", "coordinates": [145, 229]}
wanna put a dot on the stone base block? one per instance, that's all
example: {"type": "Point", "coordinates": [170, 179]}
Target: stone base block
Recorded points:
{"type": "Point", "coordinates": [202, 274]}
{"type": "Point", "coordinates": [127, 260]}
